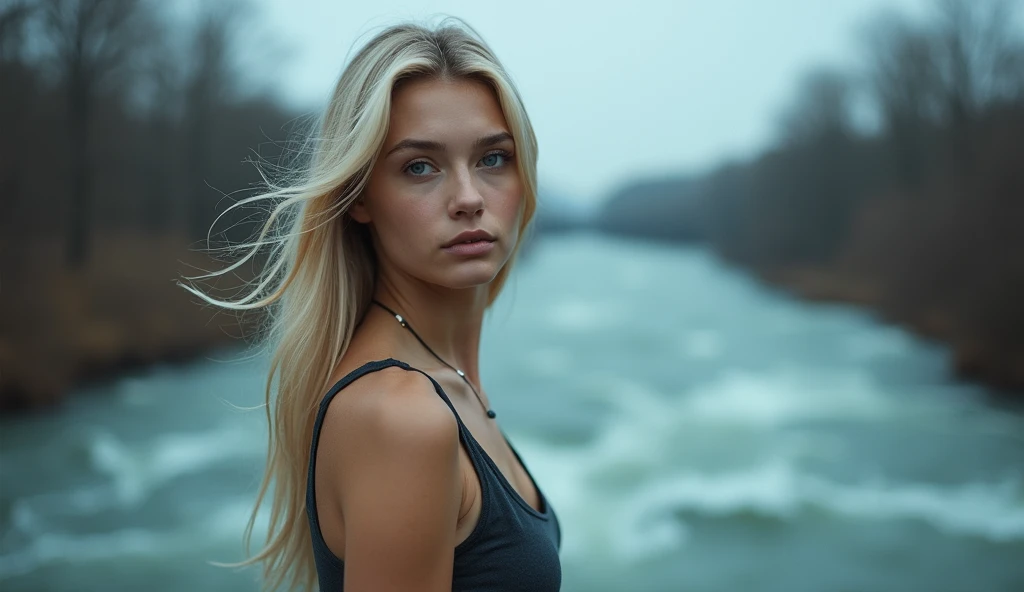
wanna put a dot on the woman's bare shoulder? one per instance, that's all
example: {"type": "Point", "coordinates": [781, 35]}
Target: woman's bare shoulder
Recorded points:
{"type": "Point", "coordinates": [391, 454]}
{"type": "Point", "coordinates": [392, 405]}
{"type": "Point", "coordinates": [389, 415]}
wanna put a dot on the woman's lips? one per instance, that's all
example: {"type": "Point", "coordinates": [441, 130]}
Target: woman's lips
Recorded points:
{"type": "Point", "coordinates": [479, 247]}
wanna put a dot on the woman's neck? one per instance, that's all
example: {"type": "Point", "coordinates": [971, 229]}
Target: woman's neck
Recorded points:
{"type": "Point", "coordinates": [448, 321]}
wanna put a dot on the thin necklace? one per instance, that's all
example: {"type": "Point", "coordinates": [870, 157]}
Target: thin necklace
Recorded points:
{"type": "Point", "coordinates": [404, 323]}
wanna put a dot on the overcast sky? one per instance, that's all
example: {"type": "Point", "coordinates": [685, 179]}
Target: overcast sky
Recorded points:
{"type": "Point", "coordinates": [614, 89]}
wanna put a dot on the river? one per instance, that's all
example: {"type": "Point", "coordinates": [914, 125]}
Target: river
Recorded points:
{"type": "Point", "coordinates": [693, 429]}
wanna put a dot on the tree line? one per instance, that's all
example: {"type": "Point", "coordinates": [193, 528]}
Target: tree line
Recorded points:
{"type": "Point", "coordinates": [898, 184]}
{"type": "Point", "coordinates": [127, 128]}
{"type": "Point", "coordinates": [122, 114]}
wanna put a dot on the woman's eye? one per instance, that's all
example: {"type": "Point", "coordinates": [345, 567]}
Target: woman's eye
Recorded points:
{"type": "Point", "coordinates": [495, 159]}
{"type": "Point", "coordinates": [419, 169]}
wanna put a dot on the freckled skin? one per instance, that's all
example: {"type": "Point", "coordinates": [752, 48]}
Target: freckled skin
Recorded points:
{"type": "Point", "coordinates": [418, 200]}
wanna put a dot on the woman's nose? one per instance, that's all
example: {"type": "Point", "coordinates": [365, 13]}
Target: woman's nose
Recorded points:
{"type": "Point", "coordinates": [466, 198]}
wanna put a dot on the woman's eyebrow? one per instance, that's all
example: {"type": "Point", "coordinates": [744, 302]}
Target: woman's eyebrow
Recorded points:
{"type": "Point", "coordinates": [492, 139]}
{"type": "Point", "coordinates": [431, 145]}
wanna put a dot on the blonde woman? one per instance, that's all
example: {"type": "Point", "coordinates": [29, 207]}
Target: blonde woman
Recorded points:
{"type": "Point", "coordinates": [387, 465]}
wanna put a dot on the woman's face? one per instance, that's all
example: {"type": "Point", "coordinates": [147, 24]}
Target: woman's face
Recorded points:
{"type": "Point", "coordinates": [447, 167]}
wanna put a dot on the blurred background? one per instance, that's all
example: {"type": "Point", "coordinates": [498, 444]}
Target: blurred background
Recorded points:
{"type": "Point", "coordinates": [772, 307]}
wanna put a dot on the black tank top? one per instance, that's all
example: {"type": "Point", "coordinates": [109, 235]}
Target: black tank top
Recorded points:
{"type": "Point", "coordinates": [513, 547]}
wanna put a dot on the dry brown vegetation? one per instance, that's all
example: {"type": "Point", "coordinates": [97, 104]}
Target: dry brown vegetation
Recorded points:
{"type": "Point", "coordinates": [122, 127]}
{"type": "Point", "coordinates": [62, 326]}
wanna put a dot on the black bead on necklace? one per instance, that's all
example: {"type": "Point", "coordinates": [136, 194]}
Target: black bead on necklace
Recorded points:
{"type": "Point", "coordinates": [404, 323]}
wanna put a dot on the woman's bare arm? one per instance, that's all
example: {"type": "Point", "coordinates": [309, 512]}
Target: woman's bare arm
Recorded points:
{"type": "Point", "coordinates": [398, 484]}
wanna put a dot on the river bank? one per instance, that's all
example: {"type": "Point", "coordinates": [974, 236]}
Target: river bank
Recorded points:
{"type": "Point", "coordinates": [62, 328]}
{"type": "Point", "coordinates": [971, 358]}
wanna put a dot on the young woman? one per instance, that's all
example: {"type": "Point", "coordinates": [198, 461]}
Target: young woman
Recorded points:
{"type": "Point", "coordinates": [387, 465]}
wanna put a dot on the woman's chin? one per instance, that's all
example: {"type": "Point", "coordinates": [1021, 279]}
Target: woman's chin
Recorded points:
{"type": "Point", "coordinates": [471, 275]}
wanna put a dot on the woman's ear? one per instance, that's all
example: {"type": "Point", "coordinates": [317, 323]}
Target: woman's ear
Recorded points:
{"type": "Point", "coordinates": [358, 212]}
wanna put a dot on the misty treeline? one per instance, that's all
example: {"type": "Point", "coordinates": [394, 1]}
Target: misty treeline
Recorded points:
{"type": "Point", "coordinates": [921, 217]}
{"type": "Point", "coordinates": [896, 182]}
{"type": "Point", "coordinates": [127, 128]}
{"type": "Point", "coordinates": [121, 115]}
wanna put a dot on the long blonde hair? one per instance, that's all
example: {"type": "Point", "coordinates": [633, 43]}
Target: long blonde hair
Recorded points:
{"type": "Point", "coordinates": [319, 275]}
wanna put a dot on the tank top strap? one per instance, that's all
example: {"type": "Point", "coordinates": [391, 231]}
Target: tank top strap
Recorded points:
{"type": "Point", "coordinates": [369, 368]}
{"type": "Point", "coordinates": [359, 372]}
{"type": "Point", "coordinates": [437, 389]}
{"type": "Point", "coordinates": [319, 545]}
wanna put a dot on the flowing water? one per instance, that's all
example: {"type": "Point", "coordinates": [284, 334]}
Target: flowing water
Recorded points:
{"type": "Point", "coordinates": [693, 429]}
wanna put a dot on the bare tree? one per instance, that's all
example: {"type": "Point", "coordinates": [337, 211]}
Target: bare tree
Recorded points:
{"type": "Point", "coordinates": [943, 75]}
{"type": "Point", "coordinates": [978, 45]}
{"type": "Point", "coordinates": [977, 48]}
{"type": "Point", "coordinates": [822, 107]}
{"type": "Point", "coordinates": [904, 80]}
{"type": "Point", "coordinates": [13, 20]}
{"type": "Point", "coordinates": [16, 82]}
{"type": "Point", "coordinates": [207, 84]}
{"type": "Point", "coordinates": [87, 43]}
